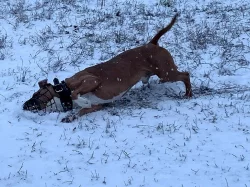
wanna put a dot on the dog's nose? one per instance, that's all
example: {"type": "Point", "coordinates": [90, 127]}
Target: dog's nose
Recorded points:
{"type": "Point", "coordinates": [32, 105]}
{"type": "Point", "coordinates": [25, 106]}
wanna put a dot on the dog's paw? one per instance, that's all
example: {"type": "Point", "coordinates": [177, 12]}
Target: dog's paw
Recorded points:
{"type": "Point", "coordinates": [69, 119]}
{"type": "Point", "coordinates": [189, 94]}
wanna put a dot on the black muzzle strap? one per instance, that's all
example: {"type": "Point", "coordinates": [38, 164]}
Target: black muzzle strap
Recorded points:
{"type": "Point", "coordinates": [65, 94]}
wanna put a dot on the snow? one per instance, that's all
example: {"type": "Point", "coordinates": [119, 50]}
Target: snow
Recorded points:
{"type": "Point", "coordinates": [151, 137]}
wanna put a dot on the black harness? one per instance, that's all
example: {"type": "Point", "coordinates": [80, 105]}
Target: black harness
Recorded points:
{"type": "Point", "coordinates": [65, 94]}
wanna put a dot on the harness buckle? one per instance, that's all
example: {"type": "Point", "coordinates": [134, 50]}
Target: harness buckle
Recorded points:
{"type": "Point", "coordinates": [58, 88]}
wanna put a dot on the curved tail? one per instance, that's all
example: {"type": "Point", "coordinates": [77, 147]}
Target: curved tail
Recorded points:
{"type": "Point", "coordinates": [163, 31]}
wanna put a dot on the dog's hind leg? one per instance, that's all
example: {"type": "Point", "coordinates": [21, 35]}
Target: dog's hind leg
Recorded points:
{"type": "Point", "coordinates": [174, 76]}
{"type": "Point", "coordinates": [145, 80]}
{"type": "Point", "coordinates": [165, 68]}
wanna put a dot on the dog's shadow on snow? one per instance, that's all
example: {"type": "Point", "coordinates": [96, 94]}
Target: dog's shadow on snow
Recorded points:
{"type": "Point", "coordinates": [141, 96]}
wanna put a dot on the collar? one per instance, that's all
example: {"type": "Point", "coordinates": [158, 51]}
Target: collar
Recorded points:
{"type": "Point", "coordinates": [65, 94]}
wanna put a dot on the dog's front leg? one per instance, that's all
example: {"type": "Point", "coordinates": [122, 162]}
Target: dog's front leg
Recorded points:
{"type": "Point", "coordinates": [69, 118]}
{"type": "Point", "coordinates": [89, 110]}
{"type": "Point", "coordinates": [72, 117]}
{"type": "Point", "coordinates": [87, 84]}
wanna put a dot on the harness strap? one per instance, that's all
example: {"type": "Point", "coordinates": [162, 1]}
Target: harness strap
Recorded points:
{"type": "Point", "coordinates": [65, 94]}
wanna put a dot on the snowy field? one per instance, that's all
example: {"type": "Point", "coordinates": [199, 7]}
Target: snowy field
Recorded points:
{"type": "Point", "coordinates": [153, 137]}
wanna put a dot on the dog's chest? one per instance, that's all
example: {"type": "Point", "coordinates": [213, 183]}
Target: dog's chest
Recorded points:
{"type": "Point", "coordinates": [88, 99]}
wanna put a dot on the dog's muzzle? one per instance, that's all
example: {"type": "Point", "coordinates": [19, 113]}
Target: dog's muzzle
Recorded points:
{"type": "Point", "coordinates": [41, 102]}
{"type": "Point", "coordinates": [32, 105]}
{"type": "Point", "coordinates": [36, 104]}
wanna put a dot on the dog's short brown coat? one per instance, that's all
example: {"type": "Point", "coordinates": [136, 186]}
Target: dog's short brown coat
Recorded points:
{"type": "Point", "coordinates": [119, 74]}
{"type": "Point", "coordinates": [116, 76]}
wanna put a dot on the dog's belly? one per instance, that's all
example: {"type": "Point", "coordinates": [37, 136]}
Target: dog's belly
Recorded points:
{"type": "Point", "coordinates": [88, 99]}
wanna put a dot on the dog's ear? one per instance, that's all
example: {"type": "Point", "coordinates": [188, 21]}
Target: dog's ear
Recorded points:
{"type": "Point", "coordinates": [42, 83]}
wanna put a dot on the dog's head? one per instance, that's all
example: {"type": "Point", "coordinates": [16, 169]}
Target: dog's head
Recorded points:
{"type": "Point", "coordinates": [42, 98]}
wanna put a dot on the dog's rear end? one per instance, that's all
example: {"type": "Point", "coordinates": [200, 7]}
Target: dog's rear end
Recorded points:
{"type": "Point", "coordinates": [163, 64]}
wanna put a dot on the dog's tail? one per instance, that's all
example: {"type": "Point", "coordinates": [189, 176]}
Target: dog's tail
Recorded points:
{"type": "Point", "coordinates": [163, 31]}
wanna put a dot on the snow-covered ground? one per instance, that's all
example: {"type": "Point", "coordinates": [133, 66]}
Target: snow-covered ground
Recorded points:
{"type": "Point", "coordinates": [153, 136]}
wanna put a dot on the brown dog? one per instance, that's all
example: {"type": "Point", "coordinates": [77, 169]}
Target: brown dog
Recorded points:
{"type": "Point", "coordinates": [108, 81]}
